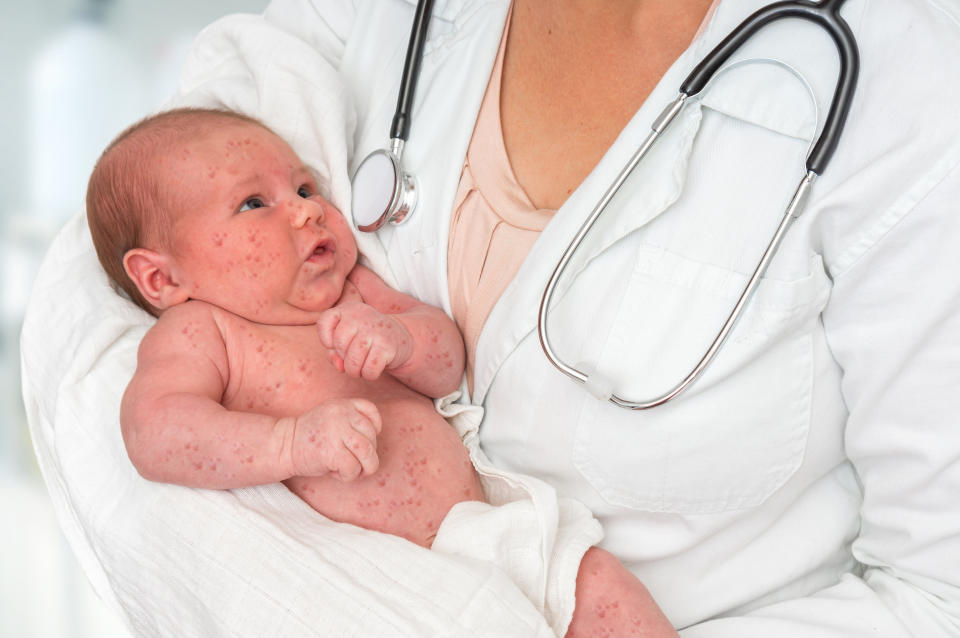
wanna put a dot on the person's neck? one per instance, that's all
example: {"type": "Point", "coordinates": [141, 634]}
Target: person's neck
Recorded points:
{"type": "Point", "coordinates": [627, 15]}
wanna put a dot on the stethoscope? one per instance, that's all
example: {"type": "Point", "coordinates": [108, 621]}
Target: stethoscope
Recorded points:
{"type": "Point", "coordinates": [383, 193]}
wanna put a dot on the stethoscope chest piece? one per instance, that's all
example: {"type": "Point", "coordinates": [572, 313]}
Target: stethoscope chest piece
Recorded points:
{"type": "Point", "coordinates": [382, 192]}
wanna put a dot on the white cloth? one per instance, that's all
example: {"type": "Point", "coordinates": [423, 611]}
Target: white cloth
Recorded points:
{"type": "Point", "coordinates": [176, 561]}
{"type": "Point", "coordinates": [535, 538]}
{"type": "Point", "coordinates": [807, 485]}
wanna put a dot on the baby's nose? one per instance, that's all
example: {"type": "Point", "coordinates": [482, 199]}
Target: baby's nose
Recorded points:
{"type": "Point", "coordinates": [304, 212]}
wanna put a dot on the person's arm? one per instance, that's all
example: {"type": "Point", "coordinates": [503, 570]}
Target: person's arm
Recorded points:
{"type": "Point", "coordinates": [393, 332]}
{"type": "Point", "coordinates": [176, 430]}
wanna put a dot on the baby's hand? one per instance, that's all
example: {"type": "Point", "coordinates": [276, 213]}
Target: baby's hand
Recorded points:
{"type": "Point", "coordinates": [339, 437]}
{"type": "Point", "coordinates": [364, 341]}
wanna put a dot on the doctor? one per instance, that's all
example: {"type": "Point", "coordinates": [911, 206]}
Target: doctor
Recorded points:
{"type": "Point", "coordinates": [806, 485]}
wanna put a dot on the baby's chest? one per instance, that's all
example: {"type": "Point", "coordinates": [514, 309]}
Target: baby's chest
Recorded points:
{"type": "Point", "coordinates": [280, 371]}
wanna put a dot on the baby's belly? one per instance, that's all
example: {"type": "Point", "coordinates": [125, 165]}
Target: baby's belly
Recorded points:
{"type": "Point", "coordinates": [424, 471]}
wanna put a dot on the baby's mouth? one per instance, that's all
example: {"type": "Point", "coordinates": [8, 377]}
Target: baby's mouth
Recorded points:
{"type": "Point", "coordinates": [322, 252]}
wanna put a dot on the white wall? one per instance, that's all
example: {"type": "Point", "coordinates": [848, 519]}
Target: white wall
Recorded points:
{"type": "Point", "coordinates": [55, 117]}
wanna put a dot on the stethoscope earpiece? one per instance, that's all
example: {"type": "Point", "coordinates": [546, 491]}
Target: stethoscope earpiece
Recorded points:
{"type": "Point", "coordinates": [382, 192]}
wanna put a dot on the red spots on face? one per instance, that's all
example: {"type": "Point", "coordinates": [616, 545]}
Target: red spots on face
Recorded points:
{"type": "Point", "coordinates": [218, 238]}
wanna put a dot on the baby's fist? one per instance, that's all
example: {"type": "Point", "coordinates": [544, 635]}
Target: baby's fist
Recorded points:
{"type": "Point", "coordinates": [338, 437]}
{"type": "Point", "coordinates": [364, 342]}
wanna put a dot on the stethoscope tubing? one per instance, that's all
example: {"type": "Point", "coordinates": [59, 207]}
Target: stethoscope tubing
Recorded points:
{"type": "Point", "coordinates": [824, 14]}
{"type": "Point", "coordinates": [400, 126]}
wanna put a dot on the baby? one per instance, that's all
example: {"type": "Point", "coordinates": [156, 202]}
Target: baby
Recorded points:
{"type": "Point", "coordinates": [275, 356]}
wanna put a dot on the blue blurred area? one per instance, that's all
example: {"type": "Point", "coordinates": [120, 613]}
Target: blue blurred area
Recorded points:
{"type": "Point", "coordinates": [73, 74]}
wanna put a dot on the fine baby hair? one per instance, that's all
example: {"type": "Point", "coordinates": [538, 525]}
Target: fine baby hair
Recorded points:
{"type": "Point", "coordinates": [127, 206]}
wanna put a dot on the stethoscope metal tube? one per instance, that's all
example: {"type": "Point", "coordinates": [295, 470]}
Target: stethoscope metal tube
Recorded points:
{"type": "Point", "coordinates": [824, 14]}
{"type": "Point", "coordinates": [382, 192]}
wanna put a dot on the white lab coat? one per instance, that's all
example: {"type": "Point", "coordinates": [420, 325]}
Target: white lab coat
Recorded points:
{"type": "Point", "coordinates": [806, 486]}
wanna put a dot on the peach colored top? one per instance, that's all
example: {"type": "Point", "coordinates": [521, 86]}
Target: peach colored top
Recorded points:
{"type": "Point", "coordinates": [494, 223]}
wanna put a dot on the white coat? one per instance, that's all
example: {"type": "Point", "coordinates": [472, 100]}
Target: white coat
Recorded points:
{"type": "Point", "coordinates": [807, 485]}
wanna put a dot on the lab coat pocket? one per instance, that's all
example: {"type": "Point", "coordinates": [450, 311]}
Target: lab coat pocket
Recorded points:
{"type": "Point", "coordinates": [735, 436]}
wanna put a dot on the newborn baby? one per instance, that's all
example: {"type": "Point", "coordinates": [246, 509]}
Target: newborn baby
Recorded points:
{"type": "Point", "coordinates": [275, 356]}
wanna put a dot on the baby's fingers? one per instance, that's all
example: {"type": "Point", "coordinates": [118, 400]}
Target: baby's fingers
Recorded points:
{"type": "Point", "coordinates": [346, 466]}
{"type": "Point", "coordinates": [327, 326]}
{"type": "Point", "coordinates": [355, 356]}
{"type": "Point", "coordinates": [378, 358]}
{"type": "Point", "coordinates": [370, 411]}
{"type": "Point", "coordinates": [364, 455]}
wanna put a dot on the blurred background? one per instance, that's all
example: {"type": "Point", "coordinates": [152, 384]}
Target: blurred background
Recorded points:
{"type": "Point", "coordinates": [73, 74]}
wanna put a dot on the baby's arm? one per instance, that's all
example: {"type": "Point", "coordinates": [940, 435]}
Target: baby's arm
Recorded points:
{"type": "Point", "coordinates": [388, 330]}
{"type": "Point", "coordinates": [176, 430]}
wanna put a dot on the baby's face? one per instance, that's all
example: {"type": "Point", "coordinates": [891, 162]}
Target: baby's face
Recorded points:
{"type": "Point", "coordinates": [252, 235]}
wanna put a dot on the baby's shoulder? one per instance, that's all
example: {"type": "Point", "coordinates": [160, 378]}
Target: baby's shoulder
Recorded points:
{"type": "Point", "coordinates": [193, 325]}
{"type": "Point", "coordinates": [196, 313]}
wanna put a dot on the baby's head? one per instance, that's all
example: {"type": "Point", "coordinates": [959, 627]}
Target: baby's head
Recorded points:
{"type": "Point", "coordinates": [212, 205]}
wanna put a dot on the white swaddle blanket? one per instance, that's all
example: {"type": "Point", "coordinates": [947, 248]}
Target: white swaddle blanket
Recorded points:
{"type": "Point", "coordinates": [177, 561]}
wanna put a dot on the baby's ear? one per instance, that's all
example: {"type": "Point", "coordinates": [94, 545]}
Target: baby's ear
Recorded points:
{"type": "Point", "coordinates": [155, 277]}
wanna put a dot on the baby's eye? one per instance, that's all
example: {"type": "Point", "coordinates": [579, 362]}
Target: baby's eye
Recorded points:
{"type": "Point", "coordinates": [305, 191]}
{"type": "Point", "coordinates": [250, 204]}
